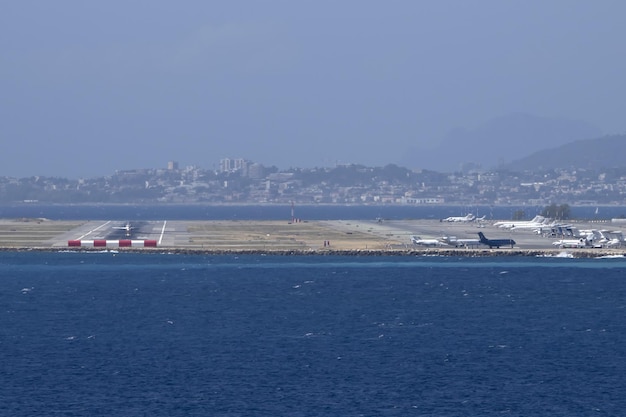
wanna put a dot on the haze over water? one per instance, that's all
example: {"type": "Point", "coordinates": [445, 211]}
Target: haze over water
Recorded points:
{"type": "Point", "coordinates": [90, 88]}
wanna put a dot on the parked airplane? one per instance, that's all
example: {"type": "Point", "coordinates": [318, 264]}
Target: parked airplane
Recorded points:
{"type": "Point", "coordinates": [460, 243]}
{"type": "Point", "coordinates": [574, 238]}
{"type": "Point", "coordinates": [611, 238]}
{"type": "Point", "coordinates": [427, 242]}
{"type": "Point", "coordinates": [613, 243]}
{"type": "Point", "coordinates": [594, 238]}
{"type": "Point", "coordinates": [568, 231]}
{"type": "Point", "coordinates": [536, 222]}
{"type": "Point", "coordinates": [470, 217]}
{"type": "Point", "coordinates": [536, 226]}
{"type": "Point", "coordinates": [495, 242]}
{"type": "Point", "coordinates": [571, 243]}
{"type": "Point", "coordinates": [127, 228]}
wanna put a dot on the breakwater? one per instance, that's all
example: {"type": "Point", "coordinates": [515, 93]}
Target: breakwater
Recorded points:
{"type": "Point", "coordinates": [548, 253]}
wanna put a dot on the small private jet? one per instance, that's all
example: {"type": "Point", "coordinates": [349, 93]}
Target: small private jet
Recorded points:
{"type": "Point", "coordinates": [536, 222]}
{"type": "Point", "coordinates": [469, 218]}
{"type": "Point", "coordinates": [460, 243]}
{"type": "Point", "coordinates": [127, 228]}
{"type": "Point", "coordinates": [416, 240]}
{"type": "Point", "coordinates": [571, 243]}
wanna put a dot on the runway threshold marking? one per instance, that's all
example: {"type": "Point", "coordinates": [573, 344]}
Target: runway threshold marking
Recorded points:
{"type": "Point", "coordinates": [93, 230]}
{"type": "Point", "coordinates": [162, 232]}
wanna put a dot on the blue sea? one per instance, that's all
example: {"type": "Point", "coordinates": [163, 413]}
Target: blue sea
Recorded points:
{"type": "Point", "coordinates": [124, 334]}
{"type": "Point", "coordinates": [135, 212]}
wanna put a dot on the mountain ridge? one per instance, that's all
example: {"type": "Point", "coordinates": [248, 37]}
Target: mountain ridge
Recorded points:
{"type": "Point", "coordinates": [604, 152]}
{"type": "Point", "coordinates": [497, 142]}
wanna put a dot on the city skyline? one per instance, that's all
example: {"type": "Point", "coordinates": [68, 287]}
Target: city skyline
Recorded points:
{"type": "Point", "coordinates": [346, 184]}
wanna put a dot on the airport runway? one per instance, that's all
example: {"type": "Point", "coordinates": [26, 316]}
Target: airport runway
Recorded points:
{"type": "Point", "coordinates": [112, 231]}
{"type": "Point", "coordinates": [265, 236]}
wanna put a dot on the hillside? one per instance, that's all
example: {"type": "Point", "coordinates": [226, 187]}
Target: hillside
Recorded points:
{"type": "Point", "coordinates": [604, 152]}
{"type": "Point", "coordinates": [498, 141]}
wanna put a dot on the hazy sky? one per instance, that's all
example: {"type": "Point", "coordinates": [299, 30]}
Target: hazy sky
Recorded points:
{"type": "Point", "coordinates": [90, 87]}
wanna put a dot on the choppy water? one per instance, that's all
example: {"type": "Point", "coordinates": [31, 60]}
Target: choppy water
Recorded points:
{"type": "Point", "coordinates": [136, 212]}
{"type": "Point", "coordinates": [171, 335]}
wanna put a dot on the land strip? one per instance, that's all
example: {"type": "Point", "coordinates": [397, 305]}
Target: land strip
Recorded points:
{"type": "Point", "coordinates": [30, 233]}
{"type": "Point", "coordinates": [342, 237]}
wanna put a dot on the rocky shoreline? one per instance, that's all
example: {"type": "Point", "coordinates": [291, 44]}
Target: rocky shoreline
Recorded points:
{"type": "Point", "coordinates": [469, 253]}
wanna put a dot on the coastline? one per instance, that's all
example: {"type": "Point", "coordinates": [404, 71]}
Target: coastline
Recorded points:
{"type": "Point", "coordinates": [360, 238]}
{"type": "Point", "coordinates": [459, 253]}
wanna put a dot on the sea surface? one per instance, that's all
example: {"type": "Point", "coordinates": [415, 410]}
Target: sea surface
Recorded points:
{"type": "Point", "coordinates": [123, 334]}
{"type": "Point", "coordinates": [135, 212]}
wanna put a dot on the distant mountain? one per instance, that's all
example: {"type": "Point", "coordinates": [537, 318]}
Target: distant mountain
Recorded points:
{"type": "Point", "coordinates": [498, 142]}
{"type": "Point", "coordinates": [604, 152]}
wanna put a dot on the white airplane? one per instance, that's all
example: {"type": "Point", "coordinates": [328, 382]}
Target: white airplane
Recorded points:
{"type": "Point", "coordinates": [537, 227]}
{"type": "Point", "coordinates": [611, 238]}
{"type": "Point", "coordinates": [127, 228]}
{"type": "Point", "coordinates": [460, 243]}
{"type": "Point", "coordinates": [470, 217]}
{"type": "Point", "coordinates": [427, 242]}
{"type": "Point", "coordinates": [613, 243]}
{"type": "Point", "coordinates": [480, 221]}
{"type": "Point", "coordinates": [571, 243]}
{"type": "Point", "coordinates": [536, 222]}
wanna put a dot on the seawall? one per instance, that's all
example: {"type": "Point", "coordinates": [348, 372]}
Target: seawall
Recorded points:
{"type": "Point", "coordinates": [470, 253]}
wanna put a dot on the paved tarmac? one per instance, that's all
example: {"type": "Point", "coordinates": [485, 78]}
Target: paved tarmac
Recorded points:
{"type": "Point", "coordinates": [267, 236]}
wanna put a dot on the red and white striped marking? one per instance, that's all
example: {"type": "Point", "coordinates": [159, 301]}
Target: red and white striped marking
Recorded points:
{"type": "Point", "coordinates": [122, 243]}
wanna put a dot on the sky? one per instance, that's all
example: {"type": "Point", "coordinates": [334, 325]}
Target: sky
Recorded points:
{"type": "Point", "coordinates": [87, 88]}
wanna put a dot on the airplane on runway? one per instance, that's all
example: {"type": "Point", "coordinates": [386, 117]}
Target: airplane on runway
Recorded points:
{"type": "Point", "coordinates": [470, 217]}
{"type": "Point", "coordinates": [460, 243]}
{"type": "Point", "coordinates": [127, 228]}
{"type": "Point", "coordinates": [427, 242]}
{"type": "Point", "coordinates": [495, 242]}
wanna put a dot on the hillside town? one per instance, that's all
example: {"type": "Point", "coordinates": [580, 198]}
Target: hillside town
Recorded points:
{"type": "Point", "coordinates": [242, 181]}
